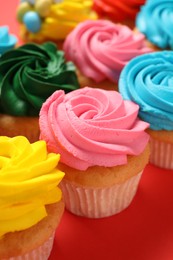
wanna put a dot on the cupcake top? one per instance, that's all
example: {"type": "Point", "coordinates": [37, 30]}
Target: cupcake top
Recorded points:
{"type": "Point", "coordinates": [28, 182]}
{"type": "Point", "coordinates": [118, 10]}
{"type": "Point", "coordinates": [92, 127]}
{"type": "Point", "coordinates": [100, 49]}
{"type": "Point", "coordinates": [53, 19]}
{"type": "Point", "coordinates": [7, 40]}
{"type": "Point", "coordinates": [159, 31]}
{"type": "Point", "coordinates": [30, 74]}
{"type": "Point", "coordinates": [148, 81]}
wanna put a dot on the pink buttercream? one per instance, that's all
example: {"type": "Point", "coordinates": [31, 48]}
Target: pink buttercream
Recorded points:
{"type": "Point", "coordinates": [92, 127]}
{"type": "Point", "coordinates": [100, 49]}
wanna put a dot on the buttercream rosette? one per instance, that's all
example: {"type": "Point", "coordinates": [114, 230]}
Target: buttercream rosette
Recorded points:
{"type": "Point", "coordinates": [147, 80]}
{"type": "Point", "coordinates": [119, 10]}
{"type": "Point", "coordinates": [29, 180]}
{"type": "Point", "coordinates": [159, 31]}
{"type": "Point", "coordinates": [96, 132]}
{"type": "Point", "coordinates": [103, 128]}
{"type": "Point", "coordinates": [100, 49]}
{"type": "Point", "coordinates": [31, 73]}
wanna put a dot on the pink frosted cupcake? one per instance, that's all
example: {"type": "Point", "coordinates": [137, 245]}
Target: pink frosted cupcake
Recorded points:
{"type": "Point", "coordinates": [103, 146]}
{"type": "Point", "coordinates": [100, 49]}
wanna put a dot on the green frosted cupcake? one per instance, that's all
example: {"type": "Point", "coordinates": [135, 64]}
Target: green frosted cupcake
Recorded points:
{"type": "Point", "coordinates": [28, 76]}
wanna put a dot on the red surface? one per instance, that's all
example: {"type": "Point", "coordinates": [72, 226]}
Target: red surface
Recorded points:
{"type": "Point", "coordinates": [144, 231]}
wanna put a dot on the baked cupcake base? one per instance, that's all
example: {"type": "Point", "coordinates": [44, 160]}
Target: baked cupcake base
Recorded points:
{"type": "Point", "coordinates": [105, 84]}
{"type": "Point", "coordinates": [13, 126]}
{"type": "Point", "coordinates": [99, 191]}
{"type": "Point", "coordinates": [36, 242]}
{"type": "Point", "coordinates": [41, 253]}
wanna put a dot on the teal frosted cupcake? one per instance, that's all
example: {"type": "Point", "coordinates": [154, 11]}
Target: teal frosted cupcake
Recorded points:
{"type": "Point", "coordinates": [28, 76]}
{"type": "Point", "coordinates": [7, 40]}
{"type": "Point", "coordinates": [148, 81]}
{"type": "Point", "coordinates": [155, 21]}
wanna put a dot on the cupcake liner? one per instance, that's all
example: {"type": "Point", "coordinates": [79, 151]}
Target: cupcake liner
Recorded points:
{"type": "Point", "coordinates": [161, 154]}
{"type": "Point", "coordinates": [40, 253]}
{"type": "Point", "coordinates": [99, 202]}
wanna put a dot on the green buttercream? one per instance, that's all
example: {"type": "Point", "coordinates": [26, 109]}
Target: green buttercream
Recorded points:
{"type": "Point", "coordinates": [30, 74]}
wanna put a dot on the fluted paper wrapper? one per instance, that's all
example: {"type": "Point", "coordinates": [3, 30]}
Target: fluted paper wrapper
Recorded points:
{"type": "Point", "coordinates": [161, 154]}
{"type": "Point", "coordinates": [40, 253]}
{"type": "Point", "coordinates": [99, 202]}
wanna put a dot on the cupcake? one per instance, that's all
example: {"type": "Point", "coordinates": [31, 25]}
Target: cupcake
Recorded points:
{"type": "Point", "coordinates": [119, 11]}
{"type": "Point", "coordinates": [103, 146]}
{"type": "Point", "coordinates": [159, 31]}
{"type": "Point", "coordinates": [28, 76]}
{"type": "Point", "coordinates": [100, 49]}
{"type": "Point", "coordinates": [148, 81]}
{"type": "Point", "coordinates": [7, 40]}
{"type": "Point", "coordinates": [52, 20]}
{"type": "Point", "coordinates": [31, 202]}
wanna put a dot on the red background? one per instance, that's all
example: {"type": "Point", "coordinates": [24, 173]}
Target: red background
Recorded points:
{"type": "Point", "coordinates": [144, 231]}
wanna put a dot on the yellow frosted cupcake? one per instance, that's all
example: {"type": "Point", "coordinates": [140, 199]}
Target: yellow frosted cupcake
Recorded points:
{"type": "Point", "coordinates": [31, 204]}
{"type": "Point", "coordinates": [44, 20]}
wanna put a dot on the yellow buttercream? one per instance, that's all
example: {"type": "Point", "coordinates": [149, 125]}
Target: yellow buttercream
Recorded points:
{"type": "Point", "coordinates": [28, 181]}
{"type": "Point", "coordinates": [63, 18]}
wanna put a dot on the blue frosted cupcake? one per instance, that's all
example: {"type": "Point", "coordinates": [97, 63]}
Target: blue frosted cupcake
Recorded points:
{"type": "Point", "coordinates": [155, 21]}
{"type": "Point", "coordinates": [7, 40]}
{"type": "Point", "coordinates": [148, 81]}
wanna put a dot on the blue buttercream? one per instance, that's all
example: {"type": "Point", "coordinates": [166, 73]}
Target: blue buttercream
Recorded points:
{"type": "Point", "coordinates": [155, 20]}
{"type": "Point", "coordinates": [7, 41]}
{"type": "Point", "coordinates": [148, 81]}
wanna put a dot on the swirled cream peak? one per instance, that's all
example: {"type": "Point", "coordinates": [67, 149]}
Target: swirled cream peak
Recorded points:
{"type": "Point", "coordinates": [29, 74]}
{"type": "Point", "coordinates": [100, 49]}
{"type": "Point", "coordinates": [7, 40]}
{"type": "Point", "coordinates": [92, 127]}
{"type": "Point", "coordinates": [155, 20]}
{"type": "Point", "coordinates": [49, 19]}
{"type": "Point", "coordinates": [118, 10]}
{"type": "Point", "coordinates": [148, 81]}
{"type": "Point", "coordinates": [28, 181]}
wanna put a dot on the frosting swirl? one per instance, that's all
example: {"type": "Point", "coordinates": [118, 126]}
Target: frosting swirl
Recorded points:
{"type": "Point", "coordinates": [7, 41]}
{"type": "Point", "coordinates": [28, 181]}
{"type": "Point", "coordinates": [147, 80]}
{"type": "Point", "coordinates": [92, 127]}
{"type": "Point", "coordinates": [118, 10]}
{"type": "Point", "coordinates": [100, 49]}
{"type": "Point", "coordinates": [159, 31]}
{"type": "Point", "coordinates": [31, 73]}
{"type": "Point", "coordinates": [53, 19]}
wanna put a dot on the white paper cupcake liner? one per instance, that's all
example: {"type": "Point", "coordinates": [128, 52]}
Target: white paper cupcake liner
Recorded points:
{"type": "Point", "coordinates": [40, 253]}
{"type": "Point", "coordinates": [99, 202]}
{"type": "Point", "coordinates": [161, 154]}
